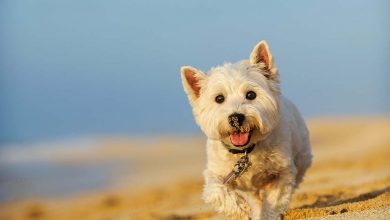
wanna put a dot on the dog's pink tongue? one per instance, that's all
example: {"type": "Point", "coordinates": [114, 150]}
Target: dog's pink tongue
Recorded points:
{"type": "Point", "coordinates": [239, 139]}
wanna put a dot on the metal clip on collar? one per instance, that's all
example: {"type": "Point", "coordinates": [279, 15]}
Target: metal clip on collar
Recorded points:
{"type": "Point", "coordinates": [239, 168]}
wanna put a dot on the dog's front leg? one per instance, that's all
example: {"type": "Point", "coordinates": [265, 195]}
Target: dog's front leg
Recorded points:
{"type": "Point", "coordinates": [225, 200]}
{"type": "Point", "coordinates": [277, 196]}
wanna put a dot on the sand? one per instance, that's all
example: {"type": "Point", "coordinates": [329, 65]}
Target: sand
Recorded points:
{"type": "Point", "coordinates": [162, 178]}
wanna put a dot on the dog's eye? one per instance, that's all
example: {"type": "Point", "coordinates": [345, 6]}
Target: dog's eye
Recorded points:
{"type": "Point", "coordinates": [250, 95]}
{"type": "Point", "coordinates": [219, 99]}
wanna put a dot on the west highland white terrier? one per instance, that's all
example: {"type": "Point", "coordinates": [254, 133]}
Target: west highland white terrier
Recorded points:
{"type": "Point", "coordinates": [258, 146]}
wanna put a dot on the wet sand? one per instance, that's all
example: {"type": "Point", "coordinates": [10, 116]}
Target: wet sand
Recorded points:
{"type": "Point", "coordinates": [162, 178]}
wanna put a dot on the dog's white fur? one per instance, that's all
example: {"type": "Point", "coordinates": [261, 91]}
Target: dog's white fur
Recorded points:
{"type": "Point", "coordinates": [282, 153]}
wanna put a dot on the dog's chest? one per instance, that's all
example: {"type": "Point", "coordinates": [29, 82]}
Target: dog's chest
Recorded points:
{"type": "Point", "coordinates": [267, 166]}
{"type": "Point", "coordinates": [259, 175]}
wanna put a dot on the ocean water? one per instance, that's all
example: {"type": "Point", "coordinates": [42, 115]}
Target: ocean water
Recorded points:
{"type": "Point", "coordinates": [51, 179]}
{"type": "Point", "coordinates": [58, 169]}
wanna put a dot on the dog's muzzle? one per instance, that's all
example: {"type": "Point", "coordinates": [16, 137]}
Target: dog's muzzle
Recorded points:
{"type": "Point", "coordinates": [239, 136]}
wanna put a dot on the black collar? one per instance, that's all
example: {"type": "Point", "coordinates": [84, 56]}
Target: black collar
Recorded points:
{"type": "Point", "coordinates": [236, 151]}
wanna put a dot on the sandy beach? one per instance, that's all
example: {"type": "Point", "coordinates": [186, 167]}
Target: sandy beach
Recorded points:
{"type": "Point", "coordinates": [161, 178]}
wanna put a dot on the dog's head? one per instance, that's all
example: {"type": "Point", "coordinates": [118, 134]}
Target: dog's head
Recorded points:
{"type": "Point", "coordinates": [237, 104]}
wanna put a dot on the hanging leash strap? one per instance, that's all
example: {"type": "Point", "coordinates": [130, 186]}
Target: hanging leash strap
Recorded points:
{"type": "Point", "coordinates": [239, 168]}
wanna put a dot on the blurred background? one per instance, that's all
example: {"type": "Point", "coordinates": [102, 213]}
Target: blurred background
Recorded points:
{"type": "Point", "coordinates": [76, 74]}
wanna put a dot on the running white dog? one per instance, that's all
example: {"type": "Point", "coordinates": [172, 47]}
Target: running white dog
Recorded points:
{"type": "Point", "coordinates": [258, 146]}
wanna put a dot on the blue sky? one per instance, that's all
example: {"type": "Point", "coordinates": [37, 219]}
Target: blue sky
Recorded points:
{"type": "Point", "coordinates": [87, 68]}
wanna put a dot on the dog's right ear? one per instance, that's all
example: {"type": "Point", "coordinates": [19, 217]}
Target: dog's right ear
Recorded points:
{"type": "Point", "coordinates": [192, 80]}
{"type": "Point", "coordinates": [262, 55]}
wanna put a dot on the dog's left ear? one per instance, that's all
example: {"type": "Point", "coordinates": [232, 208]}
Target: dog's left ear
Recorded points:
{"type": "Point", "coordinates": [192, 79]}
{"type": "Point", "coordinates": [261, 55]}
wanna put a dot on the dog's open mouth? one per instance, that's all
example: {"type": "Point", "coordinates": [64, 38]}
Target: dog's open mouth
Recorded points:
{"type": "Point", "coordinates": [240, 139]}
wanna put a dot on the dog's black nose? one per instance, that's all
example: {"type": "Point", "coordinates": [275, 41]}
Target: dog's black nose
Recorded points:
{"type": "Point", "coordinates": [236, 119]}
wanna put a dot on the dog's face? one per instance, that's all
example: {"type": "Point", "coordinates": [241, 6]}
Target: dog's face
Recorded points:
{"type": "Point", "coordinates": [237, 104]}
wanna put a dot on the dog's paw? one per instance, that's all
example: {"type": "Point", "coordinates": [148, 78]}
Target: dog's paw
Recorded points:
{"type": "Point", "coordinates": [272, 215]}
{"type": "Point", "coordinates": [239, 216]}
